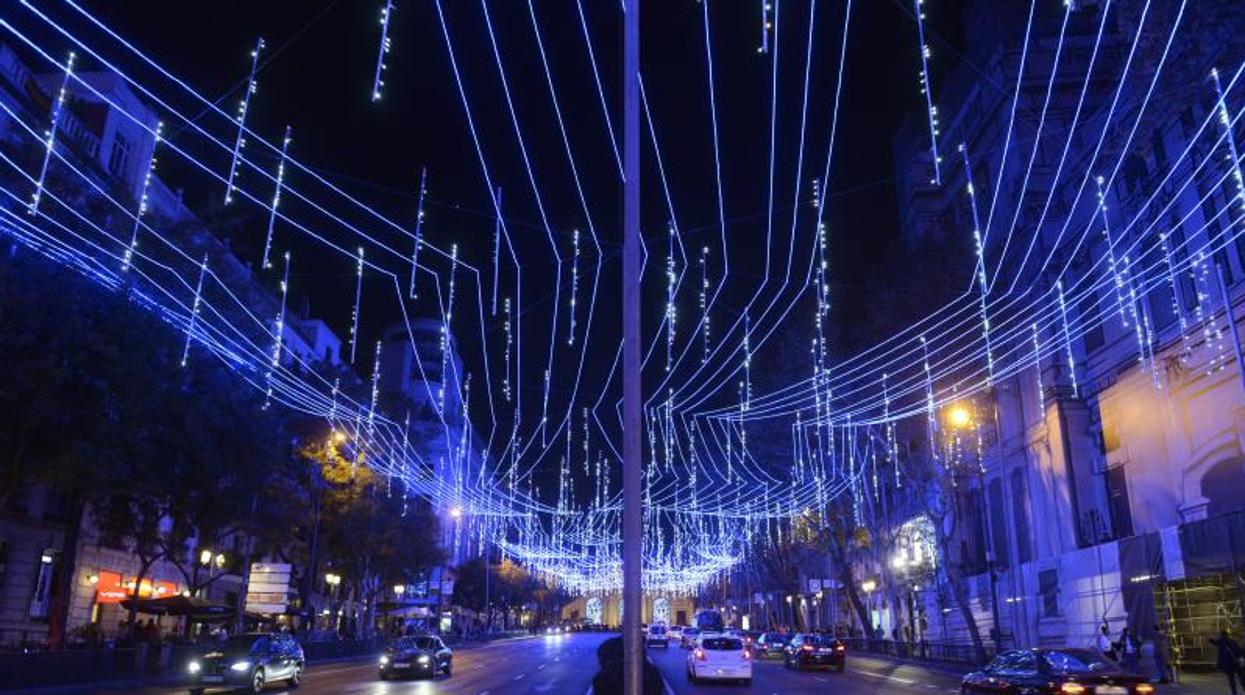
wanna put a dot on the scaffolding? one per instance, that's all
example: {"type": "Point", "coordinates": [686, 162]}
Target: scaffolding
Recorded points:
{"type": "Point", "coordinates": [1195, 610]}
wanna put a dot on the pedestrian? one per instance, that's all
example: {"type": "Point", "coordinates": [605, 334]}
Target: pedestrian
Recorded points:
{"type": "Point", "coordinates": [151, 633]}
{"type": "Point", "coordinates": [1105, 647]}
{"type": "Point", "coordinates": [1127, 647]}
{"type": "Point", "coordinates": [1229, 659]}
{"type": "Point", "coordinates": [1162, 655]}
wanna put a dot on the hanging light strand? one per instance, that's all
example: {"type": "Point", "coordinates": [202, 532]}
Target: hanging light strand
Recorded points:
{"type": "Point", "coordinates": [244, 104]}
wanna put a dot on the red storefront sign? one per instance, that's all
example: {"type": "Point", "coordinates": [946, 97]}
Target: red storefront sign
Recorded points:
{"type": "Point", "coordinates": [111, 588]}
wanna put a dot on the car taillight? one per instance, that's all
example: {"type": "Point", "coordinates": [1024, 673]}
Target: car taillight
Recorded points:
{"type": "Point", "coordinates": [839, 648]}
{"type": "Point", "coordinates": [807, 647]}
{"type": "Point", "coordinates": [1072, 689]}
{"type": "Point", "coordinates": [747, 655]}
{"type": "Point", "coordinates": [700, 655]}
{"type": "Point", "coordinates": [1145, 689]}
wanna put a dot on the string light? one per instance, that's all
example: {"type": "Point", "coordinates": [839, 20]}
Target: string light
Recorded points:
{"type": "Point", "coordinates": [505, 379]}
{"type": "Point", "coordinates": [767, 25]}
{"type": "Point", "coordinates": [1067, 338]}
{"type": "Point", "coordinates": [194, 311]}
{"type": "Point", "coordinates": [927, 91]}
{"type": "Point", "coordinates": [1110, 249]}
{"type": "Point", "coordinates": [1037, 372]}
{"type": "Point", "coordinates": [371, 411]}
{"type": "Point", "coordinates": [670, 289]}
{"type": "Point", "coordinates": [143, 200]}
{"type": "Point", "coordinates": [704, 306]}
{"type": "Point", "coordinates": [981, 263]}
{"type": "Point", "coordinates": [570, 339]}
{"type": "Point", "coordinates": [240, 141]}
{"type": "Point", "coordinates": [278, 332]}
{"type": "Point", "coordinates": [358, 297]}
{"type": "Point", "coordinates": [446, 324]}
{"type": "Point", "coordinates": [419, 230]}
{"type": "Point", "coordinates": [49, 144]}
{"type": "Point", "coordinates": [497, 249]}
{"type": "Point", "coordinates": [276, 199]}
{"type": "Point", "coordinates": [377, 78]}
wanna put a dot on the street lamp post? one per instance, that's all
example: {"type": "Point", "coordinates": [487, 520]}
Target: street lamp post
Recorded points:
{"type": "Point", "coordinates": [632, 521]}
{"type": "Point", "coordinates": [960, 418]}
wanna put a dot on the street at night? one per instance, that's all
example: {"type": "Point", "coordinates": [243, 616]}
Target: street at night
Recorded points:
{"type": "Point", "coordinates": [622, 347]}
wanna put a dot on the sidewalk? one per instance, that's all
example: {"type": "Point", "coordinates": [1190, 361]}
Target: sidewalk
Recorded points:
{"type": "Point", "coordinates": [1190, 683]}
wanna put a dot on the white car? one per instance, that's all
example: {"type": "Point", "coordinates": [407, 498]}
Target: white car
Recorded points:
{"type": "Point", "coordinates": [675, 632]}
{"type": "Point", "coordinates": [719, 657]}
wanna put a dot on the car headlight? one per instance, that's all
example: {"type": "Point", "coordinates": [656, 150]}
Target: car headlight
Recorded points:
{"type": "Point", "coordinates": [384, 660]}
{"type": "Point", "coordinates": [194, 667]}
{"type": "Point", "coordinates": [239, 666]}
{"type": "Point", "coordinates": [423, 658]}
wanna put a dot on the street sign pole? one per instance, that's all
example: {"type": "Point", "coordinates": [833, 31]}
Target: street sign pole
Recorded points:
{"type": "Point", "coordinates": [632, 523]}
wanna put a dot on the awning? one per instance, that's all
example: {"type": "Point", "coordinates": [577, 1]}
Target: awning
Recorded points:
{"type": "Point", "coordinates": [194, 608]}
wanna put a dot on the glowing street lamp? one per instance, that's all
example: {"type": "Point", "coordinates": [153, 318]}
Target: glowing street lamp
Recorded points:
{"type": "Point", "coordinates": [399, 589]}
{"type": "Point", "coordinates": [868, 586]}
{"type": "Point", "coordinates": [959, 417]}
{"type": "Point", "coordinates": [456, 512]}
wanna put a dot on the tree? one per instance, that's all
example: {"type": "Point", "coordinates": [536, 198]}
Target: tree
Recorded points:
{"type": "Point", "coordinates": [358, 503]}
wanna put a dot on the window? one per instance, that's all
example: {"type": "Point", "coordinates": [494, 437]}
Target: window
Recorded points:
{"type": "Point", "coordinates": [1020, 515]}
{"type": "Point", "coordinates": [1088, 308]}
{"type": "Point", "coordinates": [1117, 495]}
{"type": "Point", "coordinates": [1048, 587]}
{"type": "Point", "coordinates": [41, 599]}
{"type": "Point", "coordinates": [998, 525]}
{"type": "Point", "coordinates": [119, 158]}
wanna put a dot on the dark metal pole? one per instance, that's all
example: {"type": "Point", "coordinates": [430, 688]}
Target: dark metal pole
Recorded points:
{"type": "Point", "coordinates": [632, 523]}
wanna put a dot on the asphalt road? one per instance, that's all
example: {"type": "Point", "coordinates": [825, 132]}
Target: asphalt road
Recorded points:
{"type": "Point", "coordinates": [863, 675]}
{"type": "Point", "coordinates": [565, 665]}
{"type": "Point", "coordinates": [533, 666]}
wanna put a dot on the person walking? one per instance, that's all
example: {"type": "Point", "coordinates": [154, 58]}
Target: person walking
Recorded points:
{"type": "Point", "coordinates": [1104, 645]}
{"type": "Point", "coordinates": [1162, 655]}
{"type": "Point", "coordinates": [1229, 659]}
{"type": "Point", "coordinates": [1128, 650]}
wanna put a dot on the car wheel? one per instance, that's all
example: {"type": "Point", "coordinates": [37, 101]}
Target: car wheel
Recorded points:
{"type": "Point", "coordinates": [447, 668]}
{"type": "Point", "coordinates": [257, 681]}
{"type": "Point", "coordinates": [296, 678]}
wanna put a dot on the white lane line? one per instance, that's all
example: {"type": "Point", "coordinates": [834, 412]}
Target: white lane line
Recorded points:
{"type": "Point", "coordinates": [897, 679]}
{"type": "Point", "coordinates": [819, 678]}
{"type": "Point", "coordinates": [483, 692]}
{"type": "Point", "coordinates": [520, 676]}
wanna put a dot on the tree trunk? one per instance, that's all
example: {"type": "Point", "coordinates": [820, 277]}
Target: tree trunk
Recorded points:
{"type": "Point", "coordinates": [63, 580]}
{"type": "Point", "coordinates": [960, 592]}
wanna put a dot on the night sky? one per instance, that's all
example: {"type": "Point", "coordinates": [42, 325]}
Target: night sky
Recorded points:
{"type": "Point", "coordinates": [316, 76]}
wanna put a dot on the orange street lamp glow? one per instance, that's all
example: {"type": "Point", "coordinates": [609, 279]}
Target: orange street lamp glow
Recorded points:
{"type": "Point", "coordinates": [959, 417]}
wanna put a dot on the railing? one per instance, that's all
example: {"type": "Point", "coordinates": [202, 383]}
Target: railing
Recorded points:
{"type": "Point", "coordinates": [948, 652]}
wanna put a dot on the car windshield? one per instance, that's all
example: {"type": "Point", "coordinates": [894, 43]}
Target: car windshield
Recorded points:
{"type": "Point", "coordinates": [819, 640]}
{"type": "Point", "coordinates": [722, 644]}
{"type": "Point", "coordinates": [244, 644]}
{"type": "Point", "coordinates": [1077, 661]}
{"type": "Point", "coordinates": [691, 631]}
{"type": "Point", "coordinates": [657, 630]}
{"type": "Point", "coordinates": [416, 643]}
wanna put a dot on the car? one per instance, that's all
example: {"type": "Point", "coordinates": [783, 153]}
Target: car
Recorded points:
{"type": "Point", "coordinates": [657, 636]}
{"type": "Point", "coordinates": [771, 645]}
{"type": "Point", "coordinates": [719, 657]}
{"type": "Point", "coordinates": [424, 655]}
{"type": "Point", "coordinates": [248, 662]}
{"type": "Point", "coordinates": [690, 635]}
{"type": "Point", "coordinates": [675, 632]}
{"type": "Point", "coordinates": [553, 630]}
{"type": "Point", "coordinates": [811, 650]}
{"type": "Point", "coordinates": [1049, 671]}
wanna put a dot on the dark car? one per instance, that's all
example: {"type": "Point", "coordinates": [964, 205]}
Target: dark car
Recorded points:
{"type": "Point", "coordinates": [813, 651]}
{"type": "Point", "coordinates": [657, 636]}
{"type": "Point", "coordinates": [1054, 671]}
{"type": "Point", "coordinates": [416, 656]}
{"type": "Point", "coordinates": [771, 645]}
{"type": "Point", "coordinates": [249, 662]}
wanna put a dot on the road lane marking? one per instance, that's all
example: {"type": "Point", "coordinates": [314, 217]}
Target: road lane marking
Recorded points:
{"type": "Point", "coordinates": [889, 678]}
{"type": "Point", "coordinates": [520, 676]}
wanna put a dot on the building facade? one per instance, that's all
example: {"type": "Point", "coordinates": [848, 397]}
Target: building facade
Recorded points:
{"type": "Point", "coordinates": [1113, 485]}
